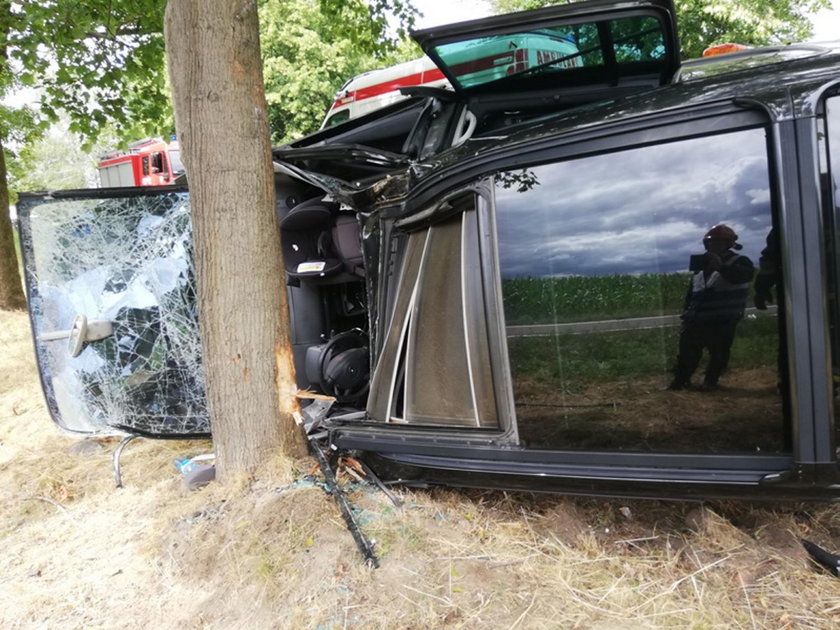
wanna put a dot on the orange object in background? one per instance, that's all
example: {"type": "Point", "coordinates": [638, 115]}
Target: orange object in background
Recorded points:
{"type": "Point", "coordinates": [722, 49]}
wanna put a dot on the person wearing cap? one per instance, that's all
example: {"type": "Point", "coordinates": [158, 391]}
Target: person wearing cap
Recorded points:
{"type": "Point", "coordinates": [714, 304]}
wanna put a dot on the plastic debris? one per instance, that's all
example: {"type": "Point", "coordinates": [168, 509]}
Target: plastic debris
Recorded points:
{"type": "Point", "coordinates": [199, 477]}
{"type": "Point", "coordinates": [188, 464]}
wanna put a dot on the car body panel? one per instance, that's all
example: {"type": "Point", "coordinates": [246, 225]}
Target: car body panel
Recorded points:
{"type": "Point", "coordinates": [748, 90]}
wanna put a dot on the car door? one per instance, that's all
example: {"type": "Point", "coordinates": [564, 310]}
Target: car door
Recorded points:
{"type": "Point", "coordinates": [504, 70]}
{"type": "Point", "coordinates": [111, 289]}
{"type": "Point", "coordinates": [562, 48]}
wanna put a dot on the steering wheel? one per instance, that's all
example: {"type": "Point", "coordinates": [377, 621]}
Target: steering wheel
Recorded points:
{"type": "Point", "coordinates": [344, 369]}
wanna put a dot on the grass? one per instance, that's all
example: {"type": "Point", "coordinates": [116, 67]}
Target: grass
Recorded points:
{"type": "Point", "coordinates": [262, 553]}
{"type": "Point", "coordinates": [628, 355]}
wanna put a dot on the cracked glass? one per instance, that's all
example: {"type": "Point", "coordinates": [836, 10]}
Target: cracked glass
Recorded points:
{"type": "Point", "coordinates": [124, 262]}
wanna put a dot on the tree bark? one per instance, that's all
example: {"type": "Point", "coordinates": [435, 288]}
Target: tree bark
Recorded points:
{"type": "Point", "coordinates": [215, 70]}
{"type": "Point", "coordinates": [11, 289]}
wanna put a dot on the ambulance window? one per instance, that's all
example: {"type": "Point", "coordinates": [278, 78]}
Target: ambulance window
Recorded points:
{"type": "Point", "coordinates": [629, 308]}
{"type": "Point", "coordinates": [338, 118]}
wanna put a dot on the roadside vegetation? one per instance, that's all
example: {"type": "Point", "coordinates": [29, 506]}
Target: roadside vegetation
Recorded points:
{"type": "Point", "coordinates": [530, 300]}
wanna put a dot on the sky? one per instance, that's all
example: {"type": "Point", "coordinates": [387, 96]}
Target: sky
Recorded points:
{"type": "Point", "coordinates": [436, 12]}
{"type": "Point", "coordinates": [827, 24]}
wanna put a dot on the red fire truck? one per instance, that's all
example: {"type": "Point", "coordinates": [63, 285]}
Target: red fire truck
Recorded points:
{"type": "Point", "coordinates": [149, 162]}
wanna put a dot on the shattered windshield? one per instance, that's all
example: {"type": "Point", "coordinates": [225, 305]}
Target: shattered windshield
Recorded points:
{"type": "Point", "coordinates": [556, 50]}
{"type": "Point", "coordinates": [127, 261]}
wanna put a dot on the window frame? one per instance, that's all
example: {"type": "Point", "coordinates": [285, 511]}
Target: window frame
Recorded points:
{"type": "Point", "coordinates": [392, 358]}
{"type": "Point", "coordinates": [828, 219]}
{"type": "Point", "coordinates": [668, 132]}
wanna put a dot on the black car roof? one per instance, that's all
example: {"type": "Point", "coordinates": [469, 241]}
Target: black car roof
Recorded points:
{"type": "Point", "coordinates": [770, 83]}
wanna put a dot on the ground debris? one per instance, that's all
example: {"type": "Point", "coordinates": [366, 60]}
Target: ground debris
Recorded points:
{"type": "Point", "coordinates": [280, 558]}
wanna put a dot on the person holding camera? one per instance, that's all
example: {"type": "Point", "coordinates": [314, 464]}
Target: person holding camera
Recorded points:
{"type": "Point", "coordinates": [714, 304]}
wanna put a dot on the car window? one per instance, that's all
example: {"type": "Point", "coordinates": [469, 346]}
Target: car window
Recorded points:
{"type": "Point", "coordinates": [127, 260]}
{"type": "Point", "coordinates": [558, 50]}
{"type": "Point", "coordinates": [175, 158]}
{"type": "Point", "coordinates": [624, 332]}
{"type": "Point", "coordinates": [338, 118]}
{"type": "Point", "coordinates": [830, 180]}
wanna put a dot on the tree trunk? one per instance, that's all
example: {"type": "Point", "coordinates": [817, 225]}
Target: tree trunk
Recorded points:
{"type": "Point", "coordinates": [215, 70]}
{"type": "Point", "coordinates": [11, 289]}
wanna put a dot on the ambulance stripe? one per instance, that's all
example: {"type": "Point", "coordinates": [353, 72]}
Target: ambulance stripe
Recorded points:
{"type": "Point", "coordinates": [418, 78]}
{"type": "Point", "coordinates": [509, 57]}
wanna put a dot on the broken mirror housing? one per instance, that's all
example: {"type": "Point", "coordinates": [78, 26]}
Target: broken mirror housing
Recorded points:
{"type": "Point", "coordinates": [492, 286]}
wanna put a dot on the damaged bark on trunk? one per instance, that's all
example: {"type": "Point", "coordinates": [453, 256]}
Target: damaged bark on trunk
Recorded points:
{"type": "Point", "coordinates": [215, 71]}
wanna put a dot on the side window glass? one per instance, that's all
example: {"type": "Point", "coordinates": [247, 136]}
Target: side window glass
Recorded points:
{"type": "Point", "coordinates": [337, 119]}
{"type": "Point", "coordinates": [628, 286]}
{"type": "Point", "coordinates": [830, 181]}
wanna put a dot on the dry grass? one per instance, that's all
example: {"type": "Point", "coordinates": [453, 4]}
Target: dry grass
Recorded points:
{"type": "Point", "coordinates": [76, 553]}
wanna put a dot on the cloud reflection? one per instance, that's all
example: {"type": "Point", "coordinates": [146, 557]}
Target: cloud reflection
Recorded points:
{"type": "Point", "coordinates": [642, 210]}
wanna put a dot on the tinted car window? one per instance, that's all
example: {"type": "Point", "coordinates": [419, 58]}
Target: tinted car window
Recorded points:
{"type": "Point", "coordinates": [605, 310]}
{"type": "Point", "coordinates": [554, 50]}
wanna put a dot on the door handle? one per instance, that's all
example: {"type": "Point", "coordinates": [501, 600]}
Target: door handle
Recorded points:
{"type": "Point", "coordinates": [82, 332]}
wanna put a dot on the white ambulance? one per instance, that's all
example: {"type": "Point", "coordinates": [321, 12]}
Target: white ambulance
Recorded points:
{"type": "Point", "coordinates": [373, 90]}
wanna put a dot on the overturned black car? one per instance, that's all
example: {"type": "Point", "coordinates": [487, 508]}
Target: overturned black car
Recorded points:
{"type": "Point", "coordinates": [493, 285]}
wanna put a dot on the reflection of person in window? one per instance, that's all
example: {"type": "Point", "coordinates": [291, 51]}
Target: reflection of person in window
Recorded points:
{"type": "Point", "coordinates": [768, 272]}
{"type": "Point", "coordinates": [769, 277]}
{"type": "Point", "coordinates": [714, 305]}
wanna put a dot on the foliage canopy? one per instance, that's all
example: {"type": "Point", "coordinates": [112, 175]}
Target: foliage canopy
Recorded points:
{"type": "Point", "coordinates": [99, 62]}
{"type": "Point", "coordinates": [311, 47]}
